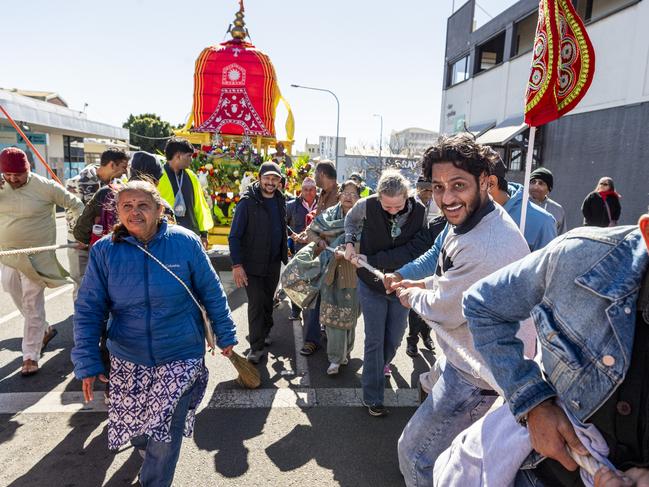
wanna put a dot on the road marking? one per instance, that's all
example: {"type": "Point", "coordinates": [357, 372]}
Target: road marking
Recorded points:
{"type": "Point", "coordinates": [72, 402]}
{"type": "Point", "coordinates": [58, 292]}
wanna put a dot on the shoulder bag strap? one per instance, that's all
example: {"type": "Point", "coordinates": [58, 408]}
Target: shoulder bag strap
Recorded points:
{"type": "Point", "coordinates": [209, 333]}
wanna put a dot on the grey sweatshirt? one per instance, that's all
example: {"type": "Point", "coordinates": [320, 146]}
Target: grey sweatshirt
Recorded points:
{"type": "Point", "coordinates": [465, 259]}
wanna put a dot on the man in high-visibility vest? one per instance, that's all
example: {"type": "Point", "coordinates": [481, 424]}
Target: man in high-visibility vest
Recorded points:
{"type": "Point", "coordinates": [365, 189]}
{"type": "Point", "coordinates": [180, 187]}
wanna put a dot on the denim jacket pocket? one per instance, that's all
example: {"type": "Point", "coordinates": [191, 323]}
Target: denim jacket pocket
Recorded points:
{"type": "Point", "coordinates": [556, 340]}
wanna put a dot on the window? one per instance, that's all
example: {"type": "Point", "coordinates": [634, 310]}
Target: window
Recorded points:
{"type": "Point", "coordinates": [515, 151]}
{"type": "Point", "coordinates": [73, 155]}
{"type": "Point", "coordinates": [458, 71]}
{"type": "Point", "coordinates": [490, 53]}
{"type": "Point", "coordinates": [524, 32]}
{"type": "Point", "coordinates": [590, 10]}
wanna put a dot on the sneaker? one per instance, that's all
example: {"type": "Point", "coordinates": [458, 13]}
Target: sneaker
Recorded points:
{"type": "Point", "coordinates": [309, 348]}
{"type": "Point", "coordinates": [254, 356]}
{"type": "Point", "coordinates": [268, 341]}
{"type": "Point", "coordinates": [376, 410]}
{"type": "Point", "coordinates": [428, 343]}
{"type": "Point", "coordinates": [387, 371]}
{"type": "Point", "coordinates": [333, 369]}
{"type": "Point", "coordinates": [411, 351]}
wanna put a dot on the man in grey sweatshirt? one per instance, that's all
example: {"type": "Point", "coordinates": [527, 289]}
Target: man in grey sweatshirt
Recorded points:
{"type": "Point", "coordinates": [482, 238]}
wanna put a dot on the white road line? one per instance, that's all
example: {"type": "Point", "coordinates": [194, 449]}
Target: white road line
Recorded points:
{"type": "Point", "coordinates": [72, 402]}
{"type": "Point", "coordinates": [58, 292]}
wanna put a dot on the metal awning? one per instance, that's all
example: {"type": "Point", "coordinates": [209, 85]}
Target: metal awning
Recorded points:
{"type": "Point", "coordinates": [49, 115]}
{"type": "Point", "coordinates": [501, 135]}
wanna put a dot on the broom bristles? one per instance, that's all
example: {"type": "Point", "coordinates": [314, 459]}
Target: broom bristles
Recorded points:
{"type": "Point", "coordinates": [248, 373]}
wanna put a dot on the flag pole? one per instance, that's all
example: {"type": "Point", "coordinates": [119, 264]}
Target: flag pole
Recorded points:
{"type": "Point", "coordinates": [31, 146]}
{"type": "Point", "coordinates": [528, 172]}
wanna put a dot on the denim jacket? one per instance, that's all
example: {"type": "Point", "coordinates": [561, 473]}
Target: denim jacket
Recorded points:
{"type": "Point", "coordinates": [581, 291]}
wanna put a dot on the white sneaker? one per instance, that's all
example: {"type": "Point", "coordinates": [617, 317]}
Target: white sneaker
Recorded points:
{"type": "Point", "coordinates": [333, 369]}
{"type": "Point", "coordinates": [255, 356]}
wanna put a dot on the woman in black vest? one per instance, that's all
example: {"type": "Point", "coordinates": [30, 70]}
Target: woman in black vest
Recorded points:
{"type": "Point", "coordinates": [379, 222]}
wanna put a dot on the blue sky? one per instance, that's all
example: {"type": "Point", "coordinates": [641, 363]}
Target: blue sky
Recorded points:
{"type": "Point", "coordinates": [134, 56]}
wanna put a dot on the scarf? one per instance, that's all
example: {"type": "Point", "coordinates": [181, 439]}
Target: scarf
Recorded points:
{"type": "Point", "coordinates": [606, 194]}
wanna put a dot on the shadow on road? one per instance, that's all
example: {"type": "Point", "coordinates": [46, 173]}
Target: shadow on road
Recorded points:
{"type": "Point", "coordinates": [75, 462]}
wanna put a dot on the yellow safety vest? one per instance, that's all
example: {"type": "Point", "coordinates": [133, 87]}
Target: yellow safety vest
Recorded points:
{"type": "Point", "coordinates": [201, 208]}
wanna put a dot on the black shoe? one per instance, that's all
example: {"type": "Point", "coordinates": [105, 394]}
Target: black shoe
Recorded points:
{"type": "Point", "coordinates": [309, 348]}
{"type": "Point", "coordinates": [293, 317]}
{"type": "Point", "coordinates": [377, 410]}
{"type": "Point", "coordinates": [428, 343]}
{"type": "Point", "coordinates": [411, 351]}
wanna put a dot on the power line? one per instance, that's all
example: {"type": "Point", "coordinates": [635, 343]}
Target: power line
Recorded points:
{"type": "Point", "coordinates": [151, 138]}
{"type": "Point", "coordinates": [487, 13]}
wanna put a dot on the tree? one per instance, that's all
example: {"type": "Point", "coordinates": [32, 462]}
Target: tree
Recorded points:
{"type": "Point", "coordinates": [148, 131]}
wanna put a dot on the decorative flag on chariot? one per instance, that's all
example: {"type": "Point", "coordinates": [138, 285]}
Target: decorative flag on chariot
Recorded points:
{"type": "Point", "coordinates": [563, 63]}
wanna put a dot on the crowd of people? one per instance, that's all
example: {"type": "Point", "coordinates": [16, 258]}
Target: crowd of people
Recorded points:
{"type": "Point", "coordinates": [550, 322]}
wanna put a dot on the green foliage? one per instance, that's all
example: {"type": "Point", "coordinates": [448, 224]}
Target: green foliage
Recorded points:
{"type": "Point", "coordinates": [148, 131]}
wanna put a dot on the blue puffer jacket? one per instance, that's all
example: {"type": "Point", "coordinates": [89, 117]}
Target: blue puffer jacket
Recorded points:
{"type": "Point", "coordinates": [153, 321]}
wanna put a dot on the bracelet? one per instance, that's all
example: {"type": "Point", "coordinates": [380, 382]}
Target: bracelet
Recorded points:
{"type": "Point", "coordinates": [236, 266]}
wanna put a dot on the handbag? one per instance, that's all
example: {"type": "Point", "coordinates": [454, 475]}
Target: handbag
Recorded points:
{"type": "Point", "coordinates": [207, 324]}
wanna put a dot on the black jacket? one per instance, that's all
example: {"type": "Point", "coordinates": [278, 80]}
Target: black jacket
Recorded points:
{"type": "Point", "coordinates": [594, 209]}
{"type": "Point", "coordinates": [250, 234]}
{"type": "Point", "coordinates": [417, 246]}
{"type": "Point", "coordinates": [376, 237]}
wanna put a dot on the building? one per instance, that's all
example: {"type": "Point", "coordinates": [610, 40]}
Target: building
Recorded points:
{"type": "Point", "coordinates": [485, 78]}
{"type": "Point", "coordinates": [411, 141]}
{"type": "Point", "coordinates": [311, 150]}
{"type": "Point", "coordinates": [58, 132]}
{"type": "Point", "coordinates": [327, 147]}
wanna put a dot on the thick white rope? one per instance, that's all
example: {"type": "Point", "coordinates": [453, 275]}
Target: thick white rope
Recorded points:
{"type": "Point", "coordinates": [35, 250]}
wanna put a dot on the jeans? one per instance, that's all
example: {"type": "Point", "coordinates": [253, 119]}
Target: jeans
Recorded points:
{"type": "Point", "coordinates": [160, 458]}
{"type": "Point", "coordinates": [453, 405]}
{"type": "Point", "coordinates": [312, 323]}
{"type": "Point", "coordinates": [416, 327]}
{"type": "Point", "coordinates": [385, 323]}
{"type": "Point", "coordinates": [260, 291]}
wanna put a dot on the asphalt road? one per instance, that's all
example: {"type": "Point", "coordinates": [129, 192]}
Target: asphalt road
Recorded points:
{"type": "Point", "coordinates": [301, 427]}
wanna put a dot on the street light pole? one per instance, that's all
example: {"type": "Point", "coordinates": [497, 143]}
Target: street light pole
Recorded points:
{"type": "Point", "coordinates": [337, 111]}
{"type": "Point", "coordinates": [380, 141]}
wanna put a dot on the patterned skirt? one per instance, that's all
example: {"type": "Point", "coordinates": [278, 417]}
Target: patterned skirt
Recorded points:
{"type": "Point", "coordinates": [143, 399]}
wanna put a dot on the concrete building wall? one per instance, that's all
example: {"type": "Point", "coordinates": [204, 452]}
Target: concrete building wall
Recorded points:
{"type": "Point", "coordinates": [621, 75]}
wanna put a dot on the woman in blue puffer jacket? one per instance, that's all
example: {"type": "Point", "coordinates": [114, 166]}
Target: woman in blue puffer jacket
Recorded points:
{"type": "Point", "coordinates": [156, 335]}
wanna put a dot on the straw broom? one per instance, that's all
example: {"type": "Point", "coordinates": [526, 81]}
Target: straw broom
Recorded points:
{"type": "Point", "coordinates": [248, 374]}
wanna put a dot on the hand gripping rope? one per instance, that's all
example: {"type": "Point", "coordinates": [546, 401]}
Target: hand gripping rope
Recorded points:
{"type": "Point", "coordinates": [588, 463]}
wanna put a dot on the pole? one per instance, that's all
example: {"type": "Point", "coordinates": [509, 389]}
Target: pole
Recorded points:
{"type": "Point", "coordinates": [30, 145]}
{"type": "Point", "coordinates": [337, 112]}
{"type": "Point", "coordinates": [380, 141]}
{"type": "Point", "coordinates": [528, 171]}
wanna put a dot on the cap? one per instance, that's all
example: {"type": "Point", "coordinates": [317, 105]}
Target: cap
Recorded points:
{"type": "Point", "coordinates": [308, 182]}
{"type": "Point", "coordinates": [544, 175]}
{"type": "Point", "coordinates": [356, 175]}
{"type": "Point", "coordinates": [423, 182]}
{"type": "Point", "coordinates": [270, 168]}
{"type": "Point", "coordinates": [13, 160]}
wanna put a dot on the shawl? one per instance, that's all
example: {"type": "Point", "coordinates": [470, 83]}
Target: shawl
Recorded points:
{"type": "Point", "coordinates": [308, 274]}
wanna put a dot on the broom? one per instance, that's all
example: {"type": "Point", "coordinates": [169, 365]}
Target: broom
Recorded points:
{"type": "Point", "coordinates": [248, 374]}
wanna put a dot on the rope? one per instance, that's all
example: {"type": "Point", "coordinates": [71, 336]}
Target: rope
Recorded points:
{"type": "Point", "coordinates": [479, 370]}
{"type": "Point", "coordinates": [36, 250]}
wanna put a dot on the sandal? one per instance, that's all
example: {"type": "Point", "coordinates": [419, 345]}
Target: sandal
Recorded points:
{"type": "Point", "coordinates": [30, 367]}
{"type": "Point", "coordinates": [49, 334]}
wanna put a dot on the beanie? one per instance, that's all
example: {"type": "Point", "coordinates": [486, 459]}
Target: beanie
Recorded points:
{"type": "Point", "coordinates": [13, 160]}
{"type": "Point", "coordinates": [544, 175]}
{"type": "Point", "coordinates": [145, 166]}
